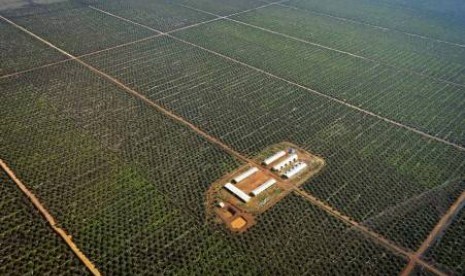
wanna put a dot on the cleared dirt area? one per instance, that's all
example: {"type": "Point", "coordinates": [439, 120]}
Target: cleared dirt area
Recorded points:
{"type": "Point", "coordinates": [238, 214]}
{"type": "Point", "coordinates": [238, 223]}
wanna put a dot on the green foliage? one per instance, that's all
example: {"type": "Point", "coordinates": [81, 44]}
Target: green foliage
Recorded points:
{"type": "Point", "coordinates": [415, 19]}
{"type": "Point", "coordinates": [423, 56]}
{"type": "Point", "coordinates": [432, 106]}
{"type": "Point", "coordinates": [410, 223]}
{"type": "Point", "coordinates": [363, 174]}
{"type": "Point", "coordinates": [15, 43]}
{"type": "Point", "coordinates": [221, 7]}
{"type": "Point", "coordinates": [163, 15]}
{"type": "Point", "coordinates": [128, 182]}
{"type": "Point", "coordinates": [449, 251]}
{"type": "Point", "coordinates": [95, 32]}
{"type": "Point", "coordinates": [28, 245]}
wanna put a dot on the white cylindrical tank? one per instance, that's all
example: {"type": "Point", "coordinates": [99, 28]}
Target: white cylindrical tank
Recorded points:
{"type": "Point", "coordinates": [244, 175]}
{"type": "Point", "coordinates": [295, 170]}
{"type": "Point", "coordinates": [264, 186]}
{"type": "Point", "coordinates": [288, 160]}
{"type": "Point", "coordinates": [273, 158]}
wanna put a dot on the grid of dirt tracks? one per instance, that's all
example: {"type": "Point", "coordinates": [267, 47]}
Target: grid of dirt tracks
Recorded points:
{"type": "Point", "coordinates": [122, 154]}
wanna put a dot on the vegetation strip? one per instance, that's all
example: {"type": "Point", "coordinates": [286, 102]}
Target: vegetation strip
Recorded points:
{"type": "Point", "coordinates": [50, 219]}
{"type": "Point", "coordinates": [323, 46]}
{"type": "Point", "coordinates": [185, 27]}
{"type": "Point", "coordinates": [330, 210]}
{"type": "Point", "coordinates": [440, 227]}
{"type": "Point", "coordinates": [383, 241]}
{"type": "Point", "coordinates": [106, 49]}
{"type": "Point", "coordinates": [159, 33]}
{"type": "Point", "coordinates": [73, 58]}
{"type": "Point", "coordinates": [373, 25]}
{"type": "Point", "coordinates": [14, 74]}
{"type": "Point", "coordinates": [424, 134]}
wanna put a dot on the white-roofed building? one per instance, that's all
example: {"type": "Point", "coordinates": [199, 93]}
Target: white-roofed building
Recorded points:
{"type": "Point", "coordinates": [237, 192]}
{"type": "Point", "coordinates": [296, 169]}
{"type": "Point", "coordinates": [244, 175]}
{"type": "Point", "coordinates": [289, 160]}
{"type": "Point", "coordinates": [273, 158]}
{"type": "Point", "coordinates": [263, 187]}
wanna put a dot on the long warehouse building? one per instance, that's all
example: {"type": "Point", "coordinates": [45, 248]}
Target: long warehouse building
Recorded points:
{"type": "Point", "coordinates": [237, 192]}
{"type": "Point", "coordinates": [244, 175]}
{"type": "Point", "coordinates": [295, 170]}
{"type": "Point", "coordinates": [285, 162]}
{"type": "Point", "coordinates": [264, 186]}
{"type": "Point", "coordinates": [273, 158]}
